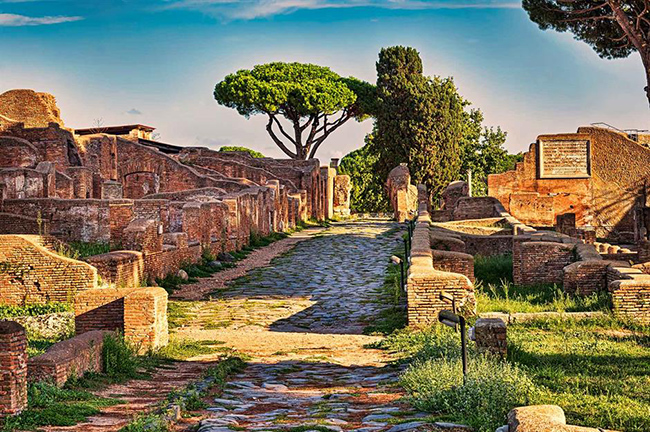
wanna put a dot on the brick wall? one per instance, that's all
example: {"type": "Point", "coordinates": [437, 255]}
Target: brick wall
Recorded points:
{"type": "Point", "coordinates": [13, 368]}
{"type": "Point", "coordinates": [454, 262]}
{"type": "Point", "coordinates": [120, 268]}
{"type": "Point", "coordinates": [537, 262]}
{"type": "Point", "coordinates": [446, 242]}
{"type": "Point", "coordinates": [32, 274]}
{"type": "Point", "coordinates": [70, 358]}
{"type": "Point", "coordinates": [475, 208]}
{"type": "Point", "coordinates": [425, 284]}
{"type": "Point", "coordinates": [139, 313]}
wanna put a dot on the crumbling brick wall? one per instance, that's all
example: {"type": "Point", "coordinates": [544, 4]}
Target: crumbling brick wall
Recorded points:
{"type": "Point", "coordinates": [71, 358]}
{"type": "Point", "coordinates": [139, 313]}
{"type": "Point", "coordinates": [539, 262]}
{"type": "Point", "coordinates": [30, 273]}
{"type": "Point", "coordinates": [13, 368]}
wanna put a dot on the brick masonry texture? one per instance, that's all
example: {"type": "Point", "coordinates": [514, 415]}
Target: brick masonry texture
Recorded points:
{"type": "Point", "coordinates": [139, 313]}
{"type": "Point", "coordinates": [426, 283]}
{"type": "Point", "coordinates": [13, 368]}
{"type": "Point", "coordinates": [68, 359]}
{"type": "Point", "coordinates": [31, 273]}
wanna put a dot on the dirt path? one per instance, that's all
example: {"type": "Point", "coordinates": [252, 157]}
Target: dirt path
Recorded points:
{"type": "Point", "coordinates": [300, 321]}
{"type": "Point", "coordinates": [138, 396]}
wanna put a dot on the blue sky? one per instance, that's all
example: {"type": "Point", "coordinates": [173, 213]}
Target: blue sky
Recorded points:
{"type": "Point", "coordinates": [156, 62]}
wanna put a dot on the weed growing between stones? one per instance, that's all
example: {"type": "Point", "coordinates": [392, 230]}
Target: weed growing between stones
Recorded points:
{"type": "Point", "coordinates": [189, 399]}
{"type": "Point", "coordinates": [391, 295]}
{"type": "Point", "coordinates": [80, 250]}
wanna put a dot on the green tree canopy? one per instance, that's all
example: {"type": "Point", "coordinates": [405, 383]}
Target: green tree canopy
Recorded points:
{"type": "Point", "coordinates": [313, 99]}
{"type": "Point", "coordinates": [367, 195]}
{"type": "Point", "coordinates": [613, 28]}
{"type": "Point", "coordinates": [419, 120]}
{"type": "Point", "coordinates": [252, 152]}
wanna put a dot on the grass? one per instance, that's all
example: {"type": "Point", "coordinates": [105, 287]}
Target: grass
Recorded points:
{"type": "Point", "coordinates": [53, 406]}
{"type": "Point", "coordinates": [179, 313]}
{"type": "Point", "coordinates": [495, 291]}
{"type": "Point", "coordinates": [183, 349]}
{"type": "Point", "coordinates": [80, 250]}
{"type": "Point", "coordinates": [598, 371]}
{"type": "Point", "coordinates": [10, 311]}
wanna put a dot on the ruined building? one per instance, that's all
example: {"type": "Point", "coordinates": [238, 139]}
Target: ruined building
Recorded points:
{"type": "Point", "coordinates": [599, 174]}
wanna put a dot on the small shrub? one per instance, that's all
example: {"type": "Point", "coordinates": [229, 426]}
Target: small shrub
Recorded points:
{"type": "Point", "coordinates": [119, 357]}
{"type": "Point", "coordinates": [147, 423]}
{"type": "Point", "coordinates": [492, 388]}
{"type": "Point", "coordinates": [8, 311]}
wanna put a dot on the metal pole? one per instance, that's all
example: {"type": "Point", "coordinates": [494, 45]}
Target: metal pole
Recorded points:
{"type": "Point", "coordinates": [463, 343]}
{"type": "Point", "coordinates": [406, 250]}
{"type": "Point", "coordinates": [403, 286]}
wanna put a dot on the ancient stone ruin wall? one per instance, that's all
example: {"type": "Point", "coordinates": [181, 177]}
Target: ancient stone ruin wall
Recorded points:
{"type": "Point", "coordinates": [402, 195]}
{"type": "Point", "coordinates": [13, 368]}
{"type": "Point", "coordinates": [139, 313]}
{"type": "Point", "coordinates": [31, 273]}
{"type": "Point", "coordinates": [29, 107]}
{"type": "Point", "coordinates": [342, 190]}
{"type": "Point", "coordinates": [596, 173]}
{"type": "Point", "coordinates": [426, 281]}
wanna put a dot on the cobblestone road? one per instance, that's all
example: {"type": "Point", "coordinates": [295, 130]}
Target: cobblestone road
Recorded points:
{"type": "Point", "coordinates": [301, 320]}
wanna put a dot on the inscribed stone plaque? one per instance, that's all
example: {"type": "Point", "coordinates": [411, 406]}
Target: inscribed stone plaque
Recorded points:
{"type": "Point", "coordinates": [564, 159]}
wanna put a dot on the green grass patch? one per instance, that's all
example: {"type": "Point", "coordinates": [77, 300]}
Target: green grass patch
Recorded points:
{"type": "Point", "coordinates": [80, 250]}
{"type": "Point", "coordinates": [495, 291]}
{"type": "Point", "coordinates": [393, 316]}
{"type": "Point", "coordinates": [509, 298]}
{"type": "Point", "coordinates": [147, 423]}
{"type": "Point", "coordinates": [179, 313]}
{"type": "Point", "coordinates": [182, 349]}
{"type": "Point", "coordinates": [493, 269]}
{"type": "Point", "coordinates": [10, 311]}
{"type": "Point", "coordinates": [53, 406]}
{"type": "Point", "coordinates": [598, 371]}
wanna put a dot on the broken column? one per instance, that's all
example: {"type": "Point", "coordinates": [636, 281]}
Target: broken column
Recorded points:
{"type": "Point", "coordinates": [491, 336]}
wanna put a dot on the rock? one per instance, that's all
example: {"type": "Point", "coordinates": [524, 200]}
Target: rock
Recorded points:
{"type": "Point", "coordinates": [453, 426]}
{"type": "Point", "coordinates": [225, 257]}
{"type": "Point", "coordinates": [504, 428]}
{"type": "Point", "coordinates": [182, 274]}
{"type": "Point", "coordinates": [376, 417]}
{"type": "Point", "coordinates": [275, 387]}
{"type": "Point", "coordinates": [405, 426]}
{"type": "Point", "coordinates": [215, 264]}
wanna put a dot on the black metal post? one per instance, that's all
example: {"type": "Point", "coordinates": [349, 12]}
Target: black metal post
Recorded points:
{"type": "Point", "coordinates": [406, 250]}
{"type": "Point", "coordinates": [403, 286]}
{"type": "Point", "coordinates": [463, 343]}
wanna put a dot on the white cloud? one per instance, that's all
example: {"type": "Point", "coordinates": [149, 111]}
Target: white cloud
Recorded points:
{"type": "Point", "coordinates": [11, 20]}
{"type": "Point", "coordinates": [251, 9]}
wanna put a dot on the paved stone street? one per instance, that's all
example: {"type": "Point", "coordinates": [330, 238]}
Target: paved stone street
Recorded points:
{"type": "Point", "coordinates": [301, 320]}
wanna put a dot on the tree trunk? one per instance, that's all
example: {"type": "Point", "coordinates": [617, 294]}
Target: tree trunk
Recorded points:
{"type": "Point", "coordinates": [645, 58]}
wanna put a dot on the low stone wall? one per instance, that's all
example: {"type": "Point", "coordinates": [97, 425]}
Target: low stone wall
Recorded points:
{"type": "Point", "coordinates": [445, 242]}
{"type": "Point", "coordinates": [630, 291]}
{"type": "Point", "coordinates": [120, 268]}
{"type": "Point", "coordinates": [68, 359]}
{"type": "Point", "coordinates": [30, 273]}
{"type": "Point", "coordinates": [139, 313]}
{"type": "Point", "coordinates": [13, 368]}
{"type": "Point", "coordinates": [454, 262]}
{"type": "Point", "coordinates": [476, 208]}
{"type": "Point", "coordinates": [536, 260]}
{"type": "Point", "coordinates": [487, 245]}
{"type": "Point", "coordinates": [425, 283]}
{"type": "Point", "coordinates": [543, 418]}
